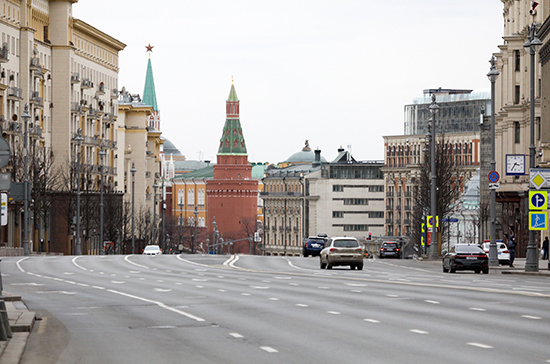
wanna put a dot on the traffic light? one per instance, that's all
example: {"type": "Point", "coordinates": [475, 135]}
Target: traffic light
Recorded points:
{"type": "Point", "coordinates": [369, 237]}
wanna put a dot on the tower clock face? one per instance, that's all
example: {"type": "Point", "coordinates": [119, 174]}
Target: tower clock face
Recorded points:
{"type": "Point", "coordinates": [515, 164]}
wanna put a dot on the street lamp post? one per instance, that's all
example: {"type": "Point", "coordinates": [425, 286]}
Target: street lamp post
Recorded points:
{"type": "Point", "coordinates": [181, 220]}
{"type": "Point", "coordinates": [155, 188]}
{"type": "Point", "coordinates": [493, 255]}
{"type": "Point", "coordinates": [101, 155]}
{"type": "Point", "coordinates": [434, 246]}
{"type": "Point", "coordinates": [215, 235]}
{"type": "Point", "coordinates": [26, 118]}
{"type": "Point", "coordinates": [133, 171]}
{"type": "Point", "coordinates": [78, 139]}
{"type": "Point", "coordinates": [163, 202]}
{"type": "Point", "coordinates": [196, 213]}
{"type": "Point", "coordinates": [533, 44]}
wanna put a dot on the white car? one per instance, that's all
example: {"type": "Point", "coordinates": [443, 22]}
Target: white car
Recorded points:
{"type": "Point", "coordinates": [502, 251]}
{"type": "Point", "coordinates": [152, 250]}
{"type": "Point", "coordinates": [342, 251]}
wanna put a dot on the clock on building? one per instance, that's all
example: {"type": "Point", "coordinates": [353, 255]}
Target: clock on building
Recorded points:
{"type": "Point", "coordinates": [515, 164]}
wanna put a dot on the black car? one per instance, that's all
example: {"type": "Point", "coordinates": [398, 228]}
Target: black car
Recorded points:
{"type": "Point", "coordinates": [313, 246]}
{"type": "Point", "coordinates": [466, 257]}
{"type": "Point", "coordinates": [389, 249]}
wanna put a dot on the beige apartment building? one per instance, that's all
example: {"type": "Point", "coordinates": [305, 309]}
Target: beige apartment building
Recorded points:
{"type": "Point", "coordinates": [67, 72]}
{"type": "Point", "coordinates": [513, 114]}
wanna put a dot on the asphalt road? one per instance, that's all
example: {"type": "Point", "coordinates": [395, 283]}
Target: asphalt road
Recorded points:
{"type": "Point", "coordinates": [252, 309]}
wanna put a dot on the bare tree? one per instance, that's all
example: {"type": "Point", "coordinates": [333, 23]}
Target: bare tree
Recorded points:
{"type": "Point", "coordinates": [449, 184]}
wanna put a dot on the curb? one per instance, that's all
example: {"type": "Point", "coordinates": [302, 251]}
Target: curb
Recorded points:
{"type": "Point", "coordinates": [21, 324]}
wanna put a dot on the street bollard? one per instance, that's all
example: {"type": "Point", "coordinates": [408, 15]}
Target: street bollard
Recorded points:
{"type": "Point", "coordinates": [5, 330]}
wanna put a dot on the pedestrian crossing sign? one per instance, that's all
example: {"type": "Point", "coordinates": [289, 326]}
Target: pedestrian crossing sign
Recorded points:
{"type": "Point", "coordinates": [538, 220]}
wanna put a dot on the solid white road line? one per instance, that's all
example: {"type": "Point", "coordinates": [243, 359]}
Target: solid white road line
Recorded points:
{"type": "Point", "coordinates": [160, 304]}
{"type": "Point", "coordinates": [127, 258]}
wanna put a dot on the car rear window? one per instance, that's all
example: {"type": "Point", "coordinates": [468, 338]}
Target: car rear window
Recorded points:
{"type": "Point", "coordinates": [321, 241]}
{"type": "Point", "coordinates": [469, 249]}
{"type": "Point", "coordinates": [391, 245]}
{"type": "Point", "coordinates": [346, 243]}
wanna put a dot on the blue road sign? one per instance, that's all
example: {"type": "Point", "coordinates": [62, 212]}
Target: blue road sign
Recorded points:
{"type": "Point", "coordinates": [538, 220]}
{"type": "Point", "coordinates": [451, 219]}
{"type": "Point", "coordinates": [493, 177]}
{"type": "Point", "coordinates": [538, 200]}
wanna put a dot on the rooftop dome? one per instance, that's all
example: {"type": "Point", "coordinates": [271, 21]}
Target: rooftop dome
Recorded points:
{"type": "Point", "coordinates": [306, 155]}
{"type": "Point", "coordinates": [170, 148]}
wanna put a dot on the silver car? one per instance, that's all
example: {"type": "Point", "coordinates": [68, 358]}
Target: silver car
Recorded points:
{"type": "Point", "coordinates": [342, 251]}
{"type": "Point", "coordinates": [152, 250]}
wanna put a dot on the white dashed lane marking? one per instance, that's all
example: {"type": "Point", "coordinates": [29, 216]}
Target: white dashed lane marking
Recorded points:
{"type": "Point", "coordinates": [432, 302]}
{"type": "Point", "coordinates": [301, 305]}
{"type": "Point", "coordinates": [531, 317]}
{"type": "Point", "coordinates": [477, 309]}
{"type": "Point", "coordinates": [235, 335]}
{"type": "Point", "coordinates": [419, 332]}
{"type": "Point", "coordinates": [482, 346]}
{"type": "Point", "coordinates": [269, 349]}
{"type": "Point", "coordinates": [372, 321]}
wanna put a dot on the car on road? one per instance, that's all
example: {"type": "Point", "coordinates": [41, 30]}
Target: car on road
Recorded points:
{"type": "Point", "coordinates": [313, 246]}
{"type": "Point", "coordinates": [389, 249]}
{"type": "Point", "coordinates": [502, 251]}
{"type": "Point", "coordinates": [342, 251]}
{"type": "Point", "coordinates": [152, 250]}
{"type": "Point", "coordinates": [466, 257]}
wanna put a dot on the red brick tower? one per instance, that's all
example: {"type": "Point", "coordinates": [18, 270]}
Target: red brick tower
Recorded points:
{"type": "Point", "coordinates": [232, 194]}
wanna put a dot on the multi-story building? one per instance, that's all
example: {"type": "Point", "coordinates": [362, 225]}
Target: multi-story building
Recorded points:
{"type": "Point", "coordinates": [67, 72]}
{"type": "Point", "coordinates": [402, 167]}
{"type": "Point", "coordinates": [311, 196]}
{"type": "Point", "coordinates": [513, 127]}
{"type": "Point", "coordinates": [459, 111]}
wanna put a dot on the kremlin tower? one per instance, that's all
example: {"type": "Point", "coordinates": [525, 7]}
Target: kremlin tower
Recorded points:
{"type": "Point", "coordinates": [232, 194]}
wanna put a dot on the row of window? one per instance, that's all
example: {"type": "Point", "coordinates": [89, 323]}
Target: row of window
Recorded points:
{"type": "Point", "coordinates": [201, 221]}
{"type": "Point", "coordinates": [191, 197]}
{"type": "Point", "coordinates": [372, 214]}
{"type": "Point", "coordinates": [340, 188]}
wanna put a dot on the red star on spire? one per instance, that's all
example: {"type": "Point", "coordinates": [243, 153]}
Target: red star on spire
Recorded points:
{"type": "Point", "coordinates": [149, 48]}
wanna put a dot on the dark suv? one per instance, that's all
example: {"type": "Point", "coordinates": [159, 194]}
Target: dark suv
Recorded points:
{"type": "Point", "coordinates": [313, 246]}
{"type": "Point", "coordinates": [390, 249]}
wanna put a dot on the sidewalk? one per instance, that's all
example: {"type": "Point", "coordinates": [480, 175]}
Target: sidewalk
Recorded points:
{"type": "Point", "coordinates": [21, 323]}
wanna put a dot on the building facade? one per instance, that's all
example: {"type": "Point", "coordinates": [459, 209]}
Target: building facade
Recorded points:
{"type": "Point", "coordinates": [67, 72]}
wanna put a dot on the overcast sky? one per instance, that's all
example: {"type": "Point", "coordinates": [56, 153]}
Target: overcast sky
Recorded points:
{"type": "Point", "coordinates": [334, 72]}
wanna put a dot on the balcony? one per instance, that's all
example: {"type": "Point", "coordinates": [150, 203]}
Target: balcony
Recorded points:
{"type": "Point", "coordinates": [4, 53]}
{"type": "Point", "coordinates": [101, 89]}
{"type": "Point", "coordinates": [389, 221]}
{"type": "Point", "coordinates": [86, 84]}
{"type": "Point", "coordinates": [75, 78]}
{"type": "Point", "coordinates": [15, 94]}
{"type": "Point", "coordinates": [108, 117]}
{"type": "Point", "coordinates": [398, 194]}
{"type": "Point", "coordinates": [12, 127]}
{"type": "Point", "coordinates": [36, 100]}
{"type": "Point", "coordinates": [93, 113]}
{"type": "Point", "coordinates": [407, 208]}
{"type": "Point", "coordinates": [407, 193]}
{"type": "Point", "coordinates": [389, 194]}
{"type": "Point", "coordinates": [114, 94]}
{"type": "Point", "coordinates": [406, 222]}
{"type": "Point", "coordinates": [389, 207]}
{"type": "Point", "coordinates": [76, 108]}
{"type": "Point", "coordinates": [36, 131]}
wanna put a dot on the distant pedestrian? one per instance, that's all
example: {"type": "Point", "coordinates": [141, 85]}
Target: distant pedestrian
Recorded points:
{"type": "Point", "coordinates": [545, 248]}
{"type": "Point", "coordinates": [512, 249]}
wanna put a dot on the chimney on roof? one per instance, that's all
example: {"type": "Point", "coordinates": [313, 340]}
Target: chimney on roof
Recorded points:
{"type": "Point", "coordinates": [317, 156]}
{"type": "Point", "coordinates": [340, 150]}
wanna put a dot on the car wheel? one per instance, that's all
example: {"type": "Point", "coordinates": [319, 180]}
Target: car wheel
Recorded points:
{"type": "Point", "coordinates": [352, 267]}
{"type": "Point", "coordinates": [305, 255]}
{"type": "Point", "coordinates": [452, 269]}
{"type": "Point", "coordinates": [329, 266]}
{"type": "Point", "coordinates": [445, 270]}
{"type": "Point", "coordinates": [323, 265]}
{"type": "Point", "coordinates": [477, 271]}
{"type": "Point", "coordinates": [360, 267]}
{"type": "Point", "coordinates": [486, 271]}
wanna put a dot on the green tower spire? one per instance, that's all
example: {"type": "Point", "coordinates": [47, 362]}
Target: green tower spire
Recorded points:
{"type": "Point", "coordinates": [149, 94]}
{"type": "Point", "coordinates": [232, 141]}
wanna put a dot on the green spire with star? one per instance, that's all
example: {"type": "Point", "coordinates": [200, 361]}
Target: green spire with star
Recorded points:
{"type": "Point", "coordinates": [149, 94]}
